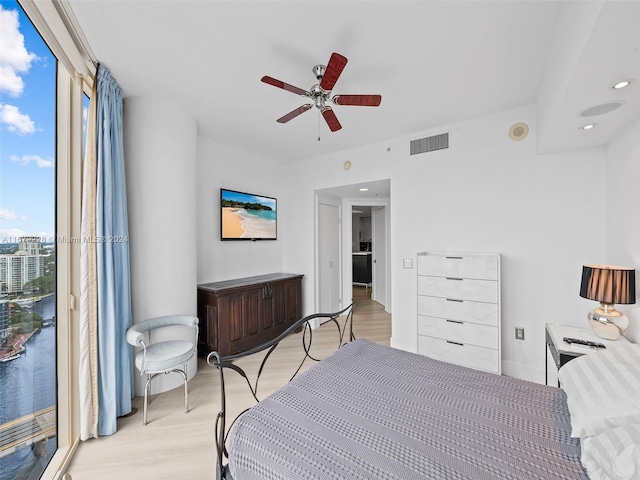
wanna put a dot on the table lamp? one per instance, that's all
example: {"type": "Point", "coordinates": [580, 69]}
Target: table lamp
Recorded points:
{"type": "Point", "coordinates": [608, 285]}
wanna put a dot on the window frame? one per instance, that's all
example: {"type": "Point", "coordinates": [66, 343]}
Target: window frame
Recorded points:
{"type": "Point", "coordinates": [74, 78]}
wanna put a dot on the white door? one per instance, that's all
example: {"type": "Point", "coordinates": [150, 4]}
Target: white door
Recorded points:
{"type": "Point", "coordinates": [328, 255]}
{"type": "Point", "coordinates": [379, 254]}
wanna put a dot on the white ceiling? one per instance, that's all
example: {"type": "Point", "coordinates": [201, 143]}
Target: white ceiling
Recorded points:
{"type": "Point", "coordinates": [433, 62]}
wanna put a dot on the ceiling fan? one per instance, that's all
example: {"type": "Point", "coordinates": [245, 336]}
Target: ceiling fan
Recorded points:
{"type": "Point", "coordinates": [320, 93]}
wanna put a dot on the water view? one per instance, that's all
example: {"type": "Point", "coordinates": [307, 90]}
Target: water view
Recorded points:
{"type": "Point", "coordinates": [28, 385]}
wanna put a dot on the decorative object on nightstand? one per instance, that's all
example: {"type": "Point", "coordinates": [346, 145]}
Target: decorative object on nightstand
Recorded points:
{"type": "Point", "coordinates": [608, 285]}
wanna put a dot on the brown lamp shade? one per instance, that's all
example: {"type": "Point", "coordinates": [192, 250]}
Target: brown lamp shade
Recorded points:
{"type": "Point", "coordinates": [607, 284]}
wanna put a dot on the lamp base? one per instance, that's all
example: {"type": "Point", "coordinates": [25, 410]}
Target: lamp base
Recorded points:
{"type": "Point", "coordinates": [607, 322]}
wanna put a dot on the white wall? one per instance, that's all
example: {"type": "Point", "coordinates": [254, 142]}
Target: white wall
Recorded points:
{"type": "Point", "coordinates": [622, 202]}
{"type": "Point", "coordinates": [302, 179]}
{"type": "Point", "coordinates": [160, 160]}
{"type": "Point", "coordinates": [218, 167]}
{"type": "Point", "coordinates": [486, 193]}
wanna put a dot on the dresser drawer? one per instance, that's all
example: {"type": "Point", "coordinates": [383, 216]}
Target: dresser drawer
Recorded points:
{"type": "Point", "coordinates": [486, 359]}
{"type": "Point", "coordinates": [460, 332]}
{"type": "Point", "coordinates": [478, 266]}
{"type": "Point", "coordinates": [462, 310]}
{"type": "Point", "coordinates": [459, 288]}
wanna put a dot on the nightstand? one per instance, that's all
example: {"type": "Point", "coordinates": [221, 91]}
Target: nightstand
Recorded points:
{"type": "Point", "coordinates": [562, 352]}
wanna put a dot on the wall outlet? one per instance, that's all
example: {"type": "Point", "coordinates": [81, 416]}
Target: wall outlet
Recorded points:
{"type": "Point", "coordinates": [519, 333]}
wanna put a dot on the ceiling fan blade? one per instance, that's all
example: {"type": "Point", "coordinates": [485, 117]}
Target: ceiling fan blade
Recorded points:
{"type": "Point", "coordinates": [293, 113]}
{"type": "Point", "coordinates": [361, 100]}
{"type": "Point", "coordinates": [331, 119]}
{"type": "Point", "coordinates": [282, 85]}
{"type": "Point", "coordinates": [334, 68]}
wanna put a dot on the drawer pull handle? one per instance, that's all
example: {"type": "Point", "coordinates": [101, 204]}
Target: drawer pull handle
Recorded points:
{"type": "Point", "coordinates": [455, 343]}
{"type": "Point", "coordinates": [455, 258]}
{"type": "Point", "coordinates": [455, 321]}
{"type": "Point", "coordinates": [454, 300]}
{"type": "Point", "coordinates": [454, 278]}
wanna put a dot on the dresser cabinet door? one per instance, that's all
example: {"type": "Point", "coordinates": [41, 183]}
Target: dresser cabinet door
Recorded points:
{"type": "Point", "coordinates": [239, 314]}
{"type": "Point", "coordinates": [287, 303]}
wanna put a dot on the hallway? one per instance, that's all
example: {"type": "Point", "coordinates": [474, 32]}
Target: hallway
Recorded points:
{"type": "Point", "coordinates": [370, 320]}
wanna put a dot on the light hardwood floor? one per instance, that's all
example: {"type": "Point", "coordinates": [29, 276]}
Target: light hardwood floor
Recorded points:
{"type": "Point", "coordinates": [174, 445]}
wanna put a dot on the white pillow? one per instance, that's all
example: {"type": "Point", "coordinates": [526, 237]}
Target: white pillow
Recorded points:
{"type": "Point", "coordinates": [603, 389]}
{"type": "Point", "coordinates": [613, 454]}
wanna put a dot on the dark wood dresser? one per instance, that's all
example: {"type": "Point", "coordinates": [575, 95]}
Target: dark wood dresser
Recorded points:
{"type": "Point", "coordinates": [238, 314]}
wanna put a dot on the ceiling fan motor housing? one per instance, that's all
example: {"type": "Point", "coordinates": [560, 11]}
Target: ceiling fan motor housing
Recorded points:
{"type": "Point", "coordinates": [318, 95]}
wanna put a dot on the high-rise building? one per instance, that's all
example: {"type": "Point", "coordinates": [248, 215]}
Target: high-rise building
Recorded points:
{"type": "Point", "coordinates": [31, 245]}
{"type": "Point", "coordinates": [4, 320]}
{"type": "Point", "coordinates": [21, 267]}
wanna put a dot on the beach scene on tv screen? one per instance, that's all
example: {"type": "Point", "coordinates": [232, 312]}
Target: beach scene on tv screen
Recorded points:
{"type": "Point", "coordinates": [247, 216]}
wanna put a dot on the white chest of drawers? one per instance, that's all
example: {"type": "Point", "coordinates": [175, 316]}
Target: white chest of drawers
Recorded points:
{"type": "Point", "coordinates": [459, 308]}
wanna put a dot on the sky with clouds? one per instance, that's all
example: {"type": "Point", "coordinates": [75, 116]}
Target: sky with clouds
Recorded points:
{"type": "Point", "coordinates": [27, 128]}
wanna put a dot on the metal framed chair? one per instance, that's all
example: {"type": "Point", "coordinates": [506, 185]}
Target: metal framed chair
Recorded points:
{"type": "Point", "coordinates": [162, 357]}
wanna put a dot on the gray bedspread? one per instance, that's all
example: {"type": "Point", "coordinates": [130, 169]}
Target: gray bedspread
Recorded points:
{"type": "Point", "coordinates": [374, 412]}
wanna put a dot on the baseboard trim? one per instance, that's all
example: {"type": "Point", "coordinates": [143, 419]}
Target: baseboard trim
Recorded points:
{"type": "Point", "coordinates": [523, 372]}
{"type": "Point", "coordinates": [403, 344]}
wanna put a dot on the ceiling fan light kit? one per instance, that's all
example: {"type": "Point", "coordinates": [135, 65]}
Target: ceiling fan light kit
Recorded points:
{"type": "Point", "coordinates": [320, 94]}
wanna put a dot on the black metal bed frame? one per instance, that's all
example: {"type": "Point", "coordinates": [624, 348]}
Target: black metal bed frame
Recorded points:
{"type": "Point", "coordinates": [215, 360]}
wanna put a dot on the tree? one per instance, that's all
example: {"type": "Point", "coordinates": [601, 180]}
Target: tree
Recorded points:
{"type": "Point", "coordinates": [24, 321]}
{"type": "Point", "coordinates": [46, 284]}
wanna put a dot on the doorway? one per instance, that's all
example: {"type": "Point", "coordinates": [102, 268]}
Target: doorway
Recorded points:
{"type": "Point", "coordinates": [373, 195]}
{"type": "Point", "coordinates": [370, 253]}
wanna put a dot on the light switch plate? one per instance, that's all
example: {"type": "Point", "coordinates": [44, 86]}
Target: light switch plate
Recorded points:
{"type": "Point", "coordinates": [407, 263]}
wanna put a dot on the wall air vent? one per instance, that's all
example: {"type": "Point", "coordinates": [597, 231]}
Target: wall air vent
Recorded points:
{"type": "Point", "coordinates": [429, 144]}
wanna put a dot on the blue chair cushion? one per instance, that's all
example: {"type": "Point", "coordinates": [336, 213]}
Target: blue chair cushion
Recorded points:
{"type": "Point", "coordinates": [164, 356]}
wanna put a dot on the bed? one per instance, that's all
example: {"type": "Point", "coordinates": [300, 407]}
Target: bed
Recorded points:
{"type": "Point", "coordinates": [373, 412]}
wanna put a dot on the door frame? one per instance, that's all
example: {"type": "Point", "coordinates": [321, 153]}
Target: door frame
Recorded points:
{"type": "Point", "coordinates": [347, 223]}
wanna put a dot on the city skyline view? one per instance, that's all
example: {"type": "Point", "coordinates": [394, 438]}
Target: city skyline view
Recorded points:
{"type": "Point", "coordinates": [28, 345]}
{"type": "Point", "coordinates": [27, 129]}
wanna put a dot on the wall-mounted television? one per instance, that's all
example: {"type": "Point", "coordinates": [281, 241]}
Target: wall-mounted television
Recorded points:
{"type": "Point", "coordinates": [246, 216]}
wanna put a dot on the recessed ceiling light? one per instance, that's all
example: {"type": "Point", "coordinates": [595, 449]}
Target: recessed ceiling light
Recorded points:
{"type": "Point", "coordinates": [364, 189]}
{"type": "Point", "coordinates": [588, 126]}
{"type": "Point", "coordinates": [620, 85]}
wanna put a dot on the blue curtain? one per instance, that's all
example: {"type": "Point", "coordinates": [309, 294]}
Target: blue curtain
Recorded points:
{"type": "Point", "coordinates": [114, 292]}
